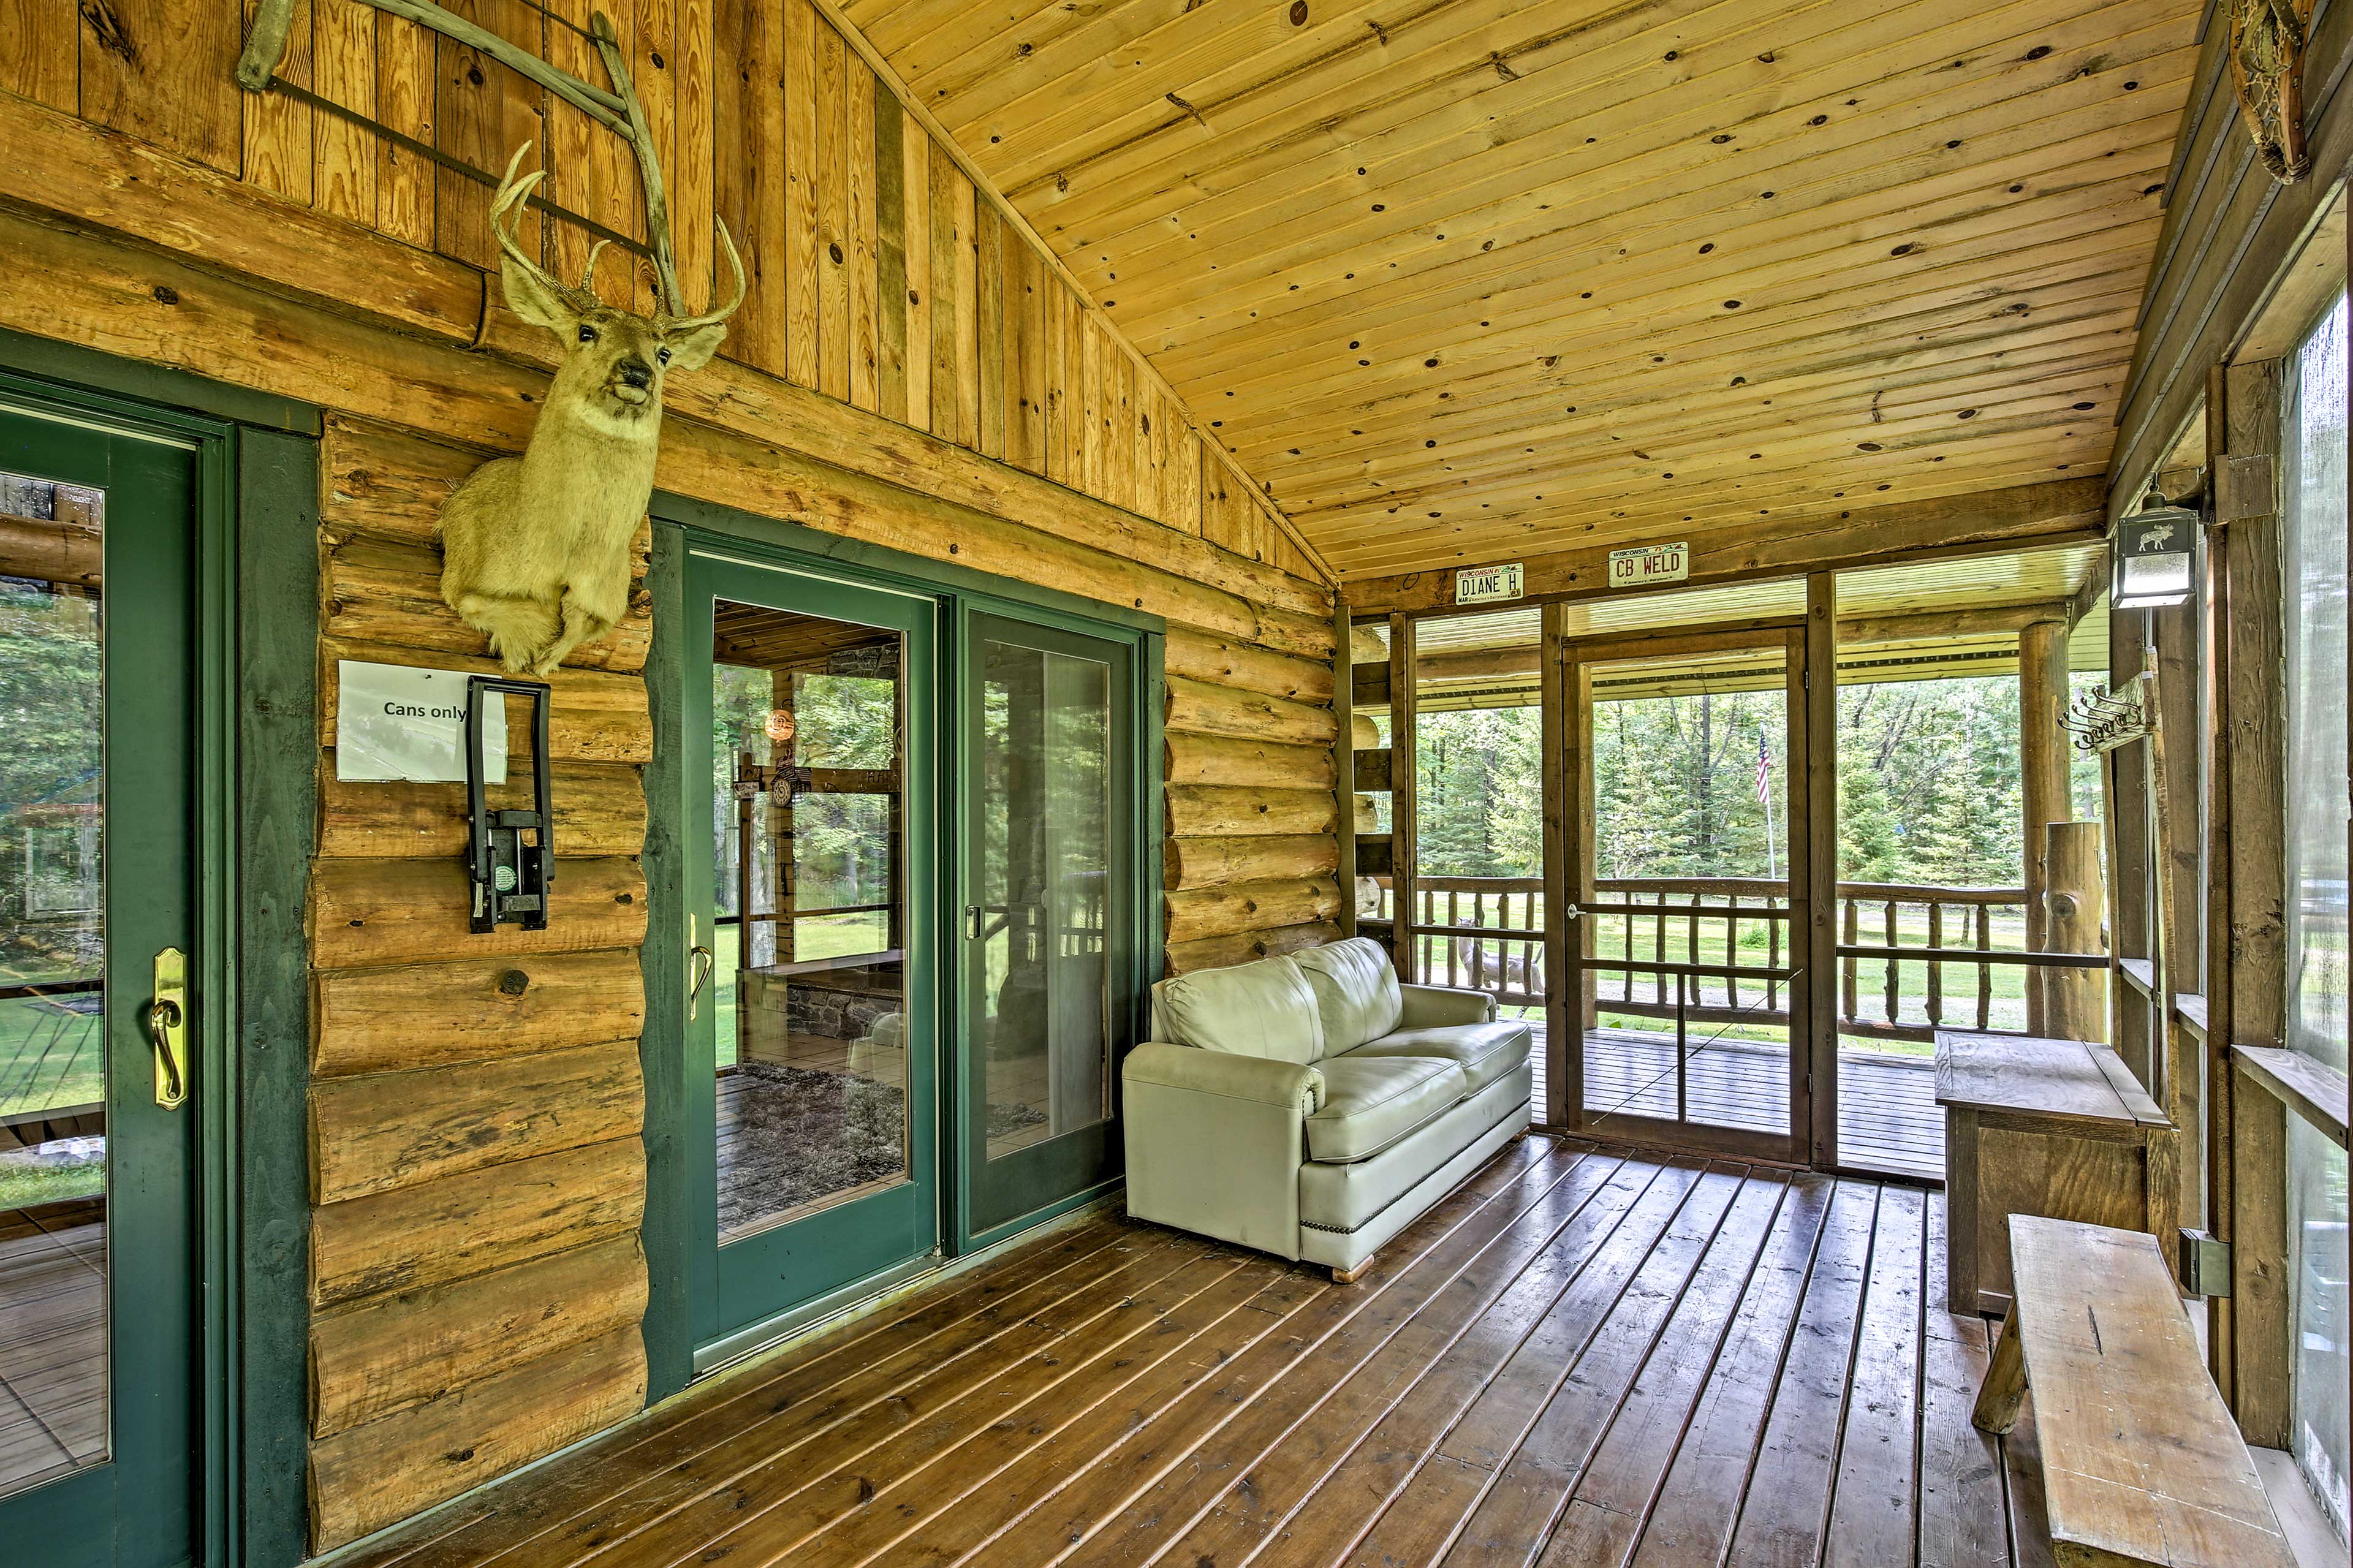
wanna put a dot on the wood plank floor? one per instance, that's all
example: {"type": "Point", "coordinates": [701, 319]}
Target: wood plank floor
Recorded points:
{"type": "Point", "coordinates": [52, 1340]}
{"type": "Point", "coordinates": [1582, 1357]}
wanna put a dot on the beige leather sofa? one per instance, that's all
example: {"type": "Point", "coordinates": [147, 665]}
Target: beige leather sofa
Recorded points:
{"type": "Point", "coordinates": [1311, 1106]}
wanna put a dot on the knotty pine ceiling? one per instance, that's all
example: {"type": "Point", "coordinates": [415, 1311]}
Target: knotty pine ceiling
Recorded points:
{"type": "Point", "coordinates": [1464, 280]}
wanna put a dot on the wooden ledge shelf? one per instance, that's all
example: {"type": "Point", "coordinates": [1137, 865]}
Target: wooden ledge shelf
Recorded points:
{"type": "Point", "coordinates": [2311, 1089]}
{"type": "Point", "coordinates": [2140, 972]}
{"type": "Point", "coordinates": [2190, 1006]}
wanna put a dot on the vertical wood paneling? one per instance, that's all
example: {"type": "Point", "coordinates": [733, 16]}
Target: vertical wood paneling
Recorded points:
{"type": "Point", "coordinates": [1056, 382]}
{"type": "Point", "coordinates": [404, 186]}
{"type": "Point", "coordinates": [650, 52]}
{"type": "Point", "coordinates": [1119, 425]}
{"type": "Point", "coordinates": [966, 252]}
{"type": "Point", "coordinates": [833, 187]}
{"type": "Point", "coordinates": [465, 119]}
{"type": "Point", "coordinates": [1025, 359]}
{"type": "Point", "coordinates": [944, 284]}
{"type": "Point", "coordinates": [163, 71]}
{"type": "Point", "coordinates": [915, 193]}
{"type": "Point", "coordinates": [344, 155]}
{"type": "Point", "coordinates": [865, 268]}
{"type": "Point", "coordinates": [1185, 497]}
{"type": "Point", "coordinates": [569, 152]}
{"type": "Point", "coordinates": [890, 258]}
{"type": "Point", "coordinates": [1072, 379]}
{"type": "Point", "coordinates": [690, 172]}
{"type": "Point", "coordinates": [800, 165]}
{"type": "Point", "coordinates": [40, 51]}
{"type": "Point", "coordinates": [989, 304]}
{"type": "Point", "coordinates": [1091, 404]}
{"type": "Point", "coordinates": [748, 40]}
{"type": "Point", "coordinates": [615, 197]}
{"type": "Point", "coordinates": [277, 128]}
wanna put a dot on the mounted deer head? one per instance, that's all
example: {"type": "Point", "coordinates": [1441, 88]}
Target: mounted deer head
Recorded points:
{"type": "Point", "coordinates": [535, 549]}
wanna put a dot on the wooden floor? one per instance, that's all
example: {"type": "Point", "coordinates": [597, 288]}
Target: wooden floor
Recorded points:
{"type": "Point", "coordinates": [52, 1340]}
{"type": "Point", "coordinates": [1582, 1357]}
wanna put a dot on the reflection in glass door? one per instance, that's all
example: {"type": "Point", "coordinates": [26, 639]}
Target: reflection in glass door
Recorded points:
{"type": "Point", "coordinates": [1049, 919]}
{"type": "Point", "coordinates": [816, 1037]}
{"type": "Point", "coordinates": [1687, 892]}
{"type": "Point", "coordinates": [98, 1098]}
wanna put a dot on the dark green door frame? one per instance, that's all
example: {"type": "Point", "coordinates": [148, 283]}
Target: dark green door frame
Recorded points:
{"type": "Point", "coordinates": [680, 523]}
{"type": "Point", "coordinates": [256, 609]}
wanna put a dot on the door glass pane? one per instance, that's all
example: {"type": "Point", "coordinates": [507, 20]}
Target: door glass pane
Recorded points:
{"type": "Point", "coordinates": [53, 1341]}
{"type": "Point", "coordinates": [2314, 492]}
{"type": "Point", "coordinates": [1691, 865]}
{"type": "Point", "coordinates": [808, 728]}
{"type": "Point", "coordinates": [1046, 823]}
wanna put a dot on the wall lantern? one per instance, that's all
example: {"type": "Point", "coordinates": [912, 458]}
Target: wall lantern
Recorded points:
{"type": "Point", "coordinates": [2156, 558]}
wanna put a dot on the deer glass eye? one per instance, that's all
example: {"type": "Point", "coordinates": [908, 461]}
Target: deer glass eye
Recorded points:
{"type": "Point", "coordinates": [662, 355]}
{"type": "Point", "coordinates": [587, 333]}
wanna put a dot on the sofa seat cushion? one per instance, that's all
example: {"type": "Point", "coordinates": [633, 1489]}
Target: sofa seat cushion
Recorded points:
{"type": "Point", "coordinates": [1484, 1052]}
{"type": "Point", "coordinates": [1347, 1198]}
{"type": "Point", "coordinates": [1355, 990]}
{"type": "Point", "coordinates": [1370, 1102]}
{"type": "Point", "coordinates": [1263, 1009]}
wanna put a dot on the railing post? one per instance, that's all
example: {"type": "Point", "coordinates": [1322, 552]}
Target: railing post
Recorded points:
{"type": "Point", "coordinates": [1683, 1071]}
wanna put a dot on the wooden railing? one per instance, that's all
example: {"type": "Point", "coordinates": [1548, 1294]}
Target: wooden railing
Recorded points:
{"type": "Point", "coordinates": [1487, 934]}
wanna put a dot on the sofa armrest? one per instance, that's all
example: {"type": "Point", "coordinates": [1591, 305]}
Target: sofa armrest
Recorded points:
{"type": "Point", "coordinates": [1438, 1006]}
{"type": "Point", "coordinates": [1228, 1076]}
{"type": "Point", "coordinates": [1214, 1143]}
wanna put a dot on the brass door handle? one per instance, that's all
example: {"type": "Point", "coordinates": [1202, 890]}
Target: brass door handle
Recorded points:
{"type": "Point", "coordinates": [696, 953]}
{"type": "Point", "coordinates": [167, 1029]}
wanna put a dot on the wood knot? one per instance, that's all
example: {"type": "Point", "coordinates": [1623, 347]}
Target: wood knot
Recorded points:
{"type": "Point", "coordinates": [514, 983]}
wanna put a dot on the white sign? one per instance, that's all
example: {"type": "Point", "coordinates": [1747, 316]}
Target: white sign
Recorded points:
{"type": "Point", "coordinates": [396, 722]}
{"type": "Point", "coordinates": [1649, 563]}
{"type": "Point", "coordinates": [1484, 583]}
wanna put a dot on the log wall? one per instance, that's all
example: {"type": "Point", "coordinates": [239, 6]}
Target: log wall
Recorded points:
{"type": "Point", "coordinates": [907, 371]}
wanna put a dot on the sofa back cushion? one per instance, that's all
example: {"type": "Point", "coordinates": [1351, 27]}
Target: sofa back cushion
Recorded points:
{"type": "Point", "coordinates": [1356, 991]}
{"type": "Point", "coordinates": [1263, 1009]}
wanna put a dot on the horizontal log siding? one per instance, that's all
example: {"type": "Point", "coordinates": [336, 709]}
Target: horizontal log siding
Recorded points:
{"type": "Point", "coordinates": [478, 1166]}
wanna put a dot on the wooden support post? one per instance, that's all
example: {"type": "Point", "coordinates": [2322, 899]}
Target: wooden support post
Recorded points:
{"type": "Point", "coordinates": [1344, 774]}
{"type": "Point", "coordinates": [2213, 600]}
{"type": "Point", "coordinates": [1813, 942]}
{"type": "Point", "coordinates": [2075, 1007]}
{"type": "Point", "coordinates": [1401, 793]}
{"type": "Point", "coordinates": [1563, 1010]}
{"type": "Point", "coordinates": [2042, 757]}
{"type": "Point", "coordinates": [2254, 749]}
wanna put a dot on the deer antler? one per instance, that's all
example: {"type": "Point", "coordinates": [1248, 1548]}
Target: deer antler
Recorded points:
{"type": "Point", "coordinates": [505, 217]}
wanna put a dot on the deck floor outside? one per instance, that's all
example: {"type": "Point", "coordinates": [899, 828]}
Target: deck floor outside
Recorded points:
{"type": "Point", "coordinates": [52, 1340]}
{"type": "Point", "coordinates": [1889, 1121]}
{"type": "Point", "coordinates": [1582, 1356]}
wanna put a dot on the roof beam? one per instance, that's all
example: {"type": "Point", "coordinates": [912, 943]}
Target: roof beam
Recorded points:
{"type": "Point", "coordinates": [2067, 512]}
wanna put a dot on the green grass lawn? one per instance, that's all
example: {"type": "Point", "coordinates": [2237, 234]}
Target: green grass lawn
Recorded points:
{"type": "Point", "coordinates": [22, 1188]}
{"type": "Point", "coordinates": [820, 936]}
{"type": "Point", "coordinates": [51, 1056]}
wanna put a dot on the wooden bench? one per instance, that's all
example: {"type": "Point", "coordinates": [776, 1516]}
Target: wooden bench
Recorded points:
{"type": "Point", "coordinates": [2141, 1462]}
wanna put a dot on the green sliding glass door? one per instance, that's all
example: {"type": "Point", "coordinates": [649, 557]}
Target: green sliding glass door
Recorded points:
{"type": "Point", "coordinates": [1052, 911]}
{"type": "Point", "coordinates": [97, 1306]}
{"type": "Point", "coordinates": [812, 1043]}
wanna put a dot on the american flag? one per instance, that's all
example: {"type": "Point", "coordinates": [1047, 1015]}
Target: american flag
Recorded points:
{"type": "Point", "coordinates": [1763, 771]}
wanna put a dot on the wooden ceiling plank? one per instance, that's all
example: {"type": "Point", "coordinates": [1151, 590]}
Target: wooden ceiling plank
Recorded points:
{"type": "Point", "coordinates": [2064, 352]}
{"type": "Point", "coordinates": [2077, 221]}
{"type": "Point", "coordinates": [1924, 316]}
{"type": "Point", "coordinates": [1599, 262]}
{"type": "Point", "coordinates": [1475, 199]}
{"type": "Point", "coordinates": [1778, 124]}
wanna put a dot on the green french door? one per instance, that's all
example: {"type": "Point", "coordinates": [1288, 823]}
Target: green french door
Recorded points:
{"type": "Point", "coordinates": [1054, 913]}
{"type": "Point", "coordinates": [98, 1105]}
{"type": "Point", "coordinates": [808, 721]}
